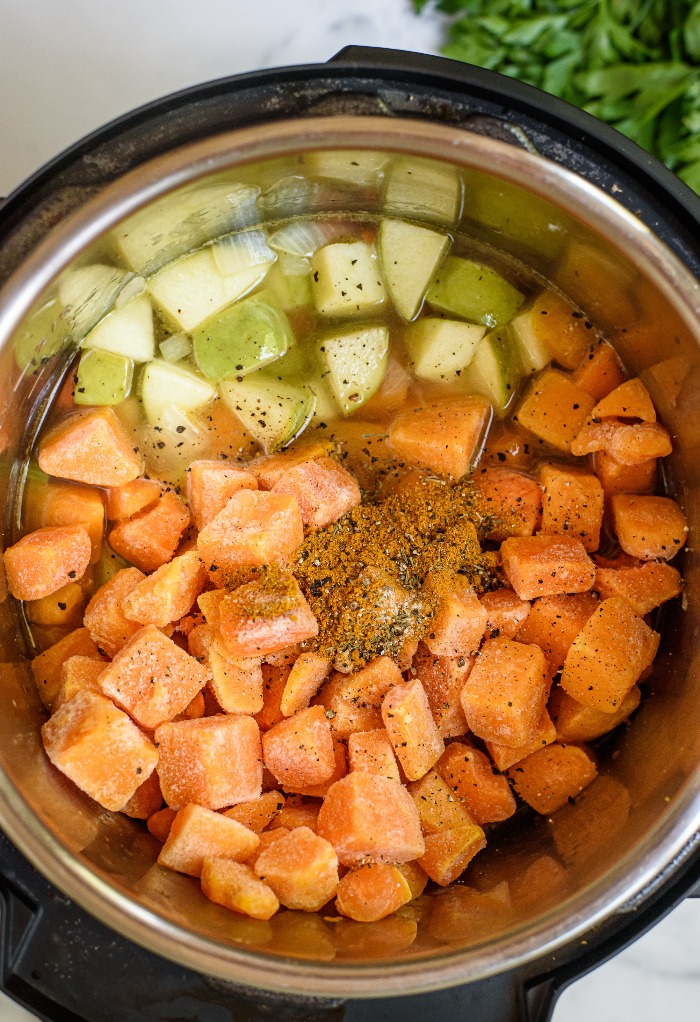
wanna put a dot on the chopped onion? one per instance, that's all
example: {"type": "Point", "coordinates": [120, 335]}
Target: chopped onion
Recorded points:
{"type": "Point", "coordinates": [175, 347]}
{"type": "Point", "coordinates": [244, 210]}
{"type": "Point", "coordinates": [237, 252]}
{"type": "Point", "coordinates": [290, 196]}
{"type": "Point", "coordinates": [294, 266]}
{"type": "Point", "coordinates": [132, 288]}
{"type": "Point", "coordinates": [303, 238]}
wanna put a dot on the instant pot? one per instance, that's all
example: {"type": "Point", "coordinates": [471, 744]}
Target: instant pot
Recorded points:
{"type": "Point", "coordinates": [91, 929]}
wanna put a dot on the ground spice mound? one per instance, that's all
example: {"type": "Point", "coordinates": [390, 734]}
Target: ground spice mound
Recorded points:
{"type": "Point", "coordinates": [362, 576]}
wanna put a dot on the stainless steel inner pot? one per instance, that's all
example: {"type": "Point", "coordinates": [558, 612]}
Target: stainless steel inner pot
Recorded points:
{"type": "Point", "coordinates": [634, 823]}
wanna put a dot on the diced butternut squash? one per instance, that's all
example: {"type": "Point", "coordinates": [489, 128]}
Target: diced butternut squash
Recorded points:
{"type": "Point", "coordinates": [99, 748]}
{"type": "Point", "coordinates": [198, 833]}
{"type": "Point", "coordinates": [505, 611]}
{"type": "Point", "coordinates": [645, 586]}
{"type": "Point", "coordinates": [264, 617]}
{"type": "Point", "coordinates": [43, 561]}
{"type": "Point", "coordinates": [236, 886]}
{"type": "Point", "coordinates": [618, 478]}
{"type": "Point", "coordinates": [160, 822]}
{"type": "Point", "coordinates": [195, 708]}
{"type": "Point", "coordinates": [512, 498]}
{"type": "Point", "coordinates": [213, 762]}
{"type": "Point", "coordinates": [274, 682]}
{"type": "Point", "coordinates": [607, 657]}
{"type": "Point", "coordinates": [299, 750]}
{"type": "Point", "coordinates": [443, 438]}
{"type": "Point", "coordinates": [346, 715]}
{"type": "Point", "coordinates": [259, 813]}
{"type": "Point", "coordinates": [254, 528]}
{"type": "Point", "coordinates": [365, 816]}
{"type": "Point", "coordinates": [438, 808]}
{"type": "Point", "coordinates": [545, 565]}
{"type": "Point", "coordinates": [62, 609]}
{"type": "Point", "coordinates": [301, 868]}
{"type": "Point", "coordinates": [547, 779]}
{"type": "Point", "coordinates": [459, 619]}
{"type": "Point", "coordinates": [297, 812]}
{"type": "Point", "coordinates": [61, 504]}
{"type": "Point", "coordinates": [469, 774]}
{"type": "Point", "coordinates": [90, 447]}
{"type": "Point", "coordinates": [560, 327]}
{"type": "Point", "coordinates": [371, 892]}
{"type": "Point", "coordinates": [506, 692]}
{"type": "Point", "coordinates": [411, 728]}
{"type": "Point", "coordinates": [146, 800]}
{"type": "Point", "coordinates": [368, 686]}
{"type": "Point", "coordinates": [323, 489]}
{"type": "Point", "coordinates": [210, 486]}
{"type": "Point", "coordinates": [554, 409]}
{"type": "Point", "coordinates": [554, 622]}
{"type": "Point", "coordinates": [237, 685]}
{"type": "Point", "coordinates": [303, 682]}
{"type": "Point", "coordinates": [651, 528]}
{"type": "Point", "coordinates": [104, 617]}
{"type": "Point", "coordinates": [443, 679]}
{"type": "Point", "coordinates": [505, 756]}
{"type": "Point", "coordinates": [152, 678]}
{"type": "Point", "coordinates": [150, 538]}
{"type": "Point", "coordinates": [630, 400]}
{"type": "Point", "coordinates": [127, 500]}
{"type": "Point", "coordinates": [373, 753]}
{"type": "Point", "coordinates": [46, 667]}
{"type": "Point", "coordinates": [415, 876]}
{"type": "Point", "coordinates": [572, 504]}
{"type": "Point", "coordinates": [448, 853]}
{"type": "Point", "coordinates": [271, 468]}
{"type": "Point", "coordinates": [340, 769]}
{"type": "Point", "coordinates": [167, 594]}
{"type": "Point", "coordinates": [508, 445]}
{"type": "Point", "coordinates": [577, 723]}
{"type": "Point", "coordinates": [599, 371]}
{"type": "Point", "coordinates": [77, 673]}
{"type": "Point", "coordinates": [628, 444]}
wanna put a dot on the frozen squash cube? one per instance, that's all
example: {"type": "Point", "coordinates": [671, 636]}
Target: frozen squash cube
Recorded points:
{"type": "Point", "coordinates": [254, 528]}
{"type": "Point", "coordinates": [60, 504]}
{"type": "Point", "coordinates": [644, 586]}
{"type": "Point", "coordinates": [77, 673]}
{"type": "Point", "coordinates": [274, 682]}
{"type": "Point", "coordinates": [600, 371]}
{"type": "Point", "coordinates": [369, 685]}
{"type": "Point", "coordinates": [411, 728]}
{"type": "Point", "coordinates": [151, 537]}
{"type": "Point", "coordinates": [547, 779]}
{"type": "Point", "coordinates": [197, 833]}
{"type": "Point", "coordinates": [438, 808]}
{"type": "Point", "coordinates": [152, 678]}
{"type": "Point", "coordinates": [506, 692]}
{"type": "Point", "coordinates": [46, 560]}
{"type": "Point", "coordinates": [62, 609]}
{"type": "Point", "coordinates": [146, 800]}
{"type": "Point", "coordinates": [574, 722]}
{"type": "Point", "coordinates": [629, 400]}
{"type": "Point", "coordinates": [214, 761]}
{"type": "Point", "coordinates": [629, 444]}
{"type": "Point", "coordinates": [127, 500]}
{"type": "Point", "coordinates": [46, 667]}
{"type": "Point", "coordinates": [506, 612]}
{"type": "Point", "coordinates": [618, 478]}
{"type": "Point", "coordinates": [444, 437]}
{"type": "Point", "coordinates": [469, 774]}
{"type": "Point", "coordinates": [104, 617]}
{"type": "Point", "coordinates": [167, 594]}
{"type": "Point", "coordinates": [365, 816]}
{"type": "Point", "coordinates": [373, 753]}
{"type": "Point", "coordinates": [210, 486]}
{"type": "Point", "coordinates": [346, 715]}
{"type": "Point", "coordinates": [99, 748]}
{"type": "Point", "coordinates": [458, 621]}
{"type": "Point", "coordinates": [554, 409]}
{"type": "Point", "coordinates": [235, 886]}
{"type": "Point", "coordinates": [608, 656]}
{"type": "Point", "coordinates": [308, 673]}
{"type": "Point", "coordinates": [651, 528]}
{"type": "Point", "coordinates": [299, 750]}
{"type": "Point", "coordinates": [301, 868]}
{"type": "Point", "coordinates": [297, 812]}
{"type": "Point", "coordinates": [90, 447]}
{"type": "Point", "coordinates": [415, 876]}
{"type": "Point", "coordinates": [572, 504]}
{"type": "Point", "coordinates": [323, 489]}
{"type": "Point", "coordinates": [546, 565]}
{"type": "Point", "coordinates": [554, 622]}
{"type": "Point", "coordinates": [505, 756]}
{"type": "Point", "coordinates": [265, 616]}
{"type": "Point", "coordinates": [270, 468]}
{"type": "Point", "coordinates": [160, 822]}
{"type": "Point", "coordinates": [443, 679]}
{"type": "Point", "coordinates": [511, 498]}
{"type": "Point", "coordinates": [340, 769]}
{"type": "Point", "coordinates": [371, 892]}
{"type": "Point", "coordinates": [449, 852]}
{"type": "Point", "coordinates": [258, 813]}
{"type": "Point", "coordinates": [237, 685]}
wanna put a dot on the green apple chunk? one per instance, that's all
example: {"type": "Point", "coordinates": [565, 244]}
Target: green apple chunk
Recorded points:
{"type": "Point", "coordinates": [273, 411]}
{"type": "Point", "coordinates": [163, 385]}
{"type": "Point", "coordinates": [346, 279]}
{"type": "Point", "coordinates": [103, 378]}
{"type": "Point", "coordinates": [126, 331]}
{"type": "Point", "coordinates": [424, 190]}
{"type": "Point", "coordinates": [493, 371]}
{"type": "Point", "coordinates": [473, 291]}
{"type": "Point", "coordinates": [354, 364]}
{"type": "Point", "coordinates": [242, 338]}
{"type": "Point", "coordinates": [440, 349]}
{"type": "Point", "coordinates": [532, 351]}
{"type": "Point", "coordinates": [40, 336]}
{"type": "Point", "coordinates": [409, 255]}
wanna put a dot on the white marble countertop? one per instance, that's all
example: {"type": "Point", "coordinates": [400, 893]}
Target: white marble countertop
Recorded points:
{"type": "Point", "coordinates": [68, 66]}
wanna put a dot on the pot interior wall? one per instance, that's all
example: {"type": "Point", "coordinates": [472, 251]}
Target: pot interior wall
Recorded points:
{"type": "Point", "coordinates": [647, 770]}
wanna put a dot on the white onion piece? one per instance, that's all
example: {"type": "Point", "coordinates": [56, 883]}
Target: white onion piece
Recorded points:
{"type": "Point", "coordinates": [175, 347]}
{"type": "Point", "coordinates": [237, 252]}
{"type": "Point", "coordinates": [134, 287]}
{"type": "Point", "coordinates": [303, 238]}
{"type": "Point", "coordinates": [293, 265]}
{"type": "Point", "coordinates": [291, 195]}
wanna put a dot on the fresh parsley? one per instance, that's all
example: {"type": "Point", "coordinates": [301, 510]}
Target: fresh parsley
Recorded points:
{"type": "Point", "coordinates": [633, 63]}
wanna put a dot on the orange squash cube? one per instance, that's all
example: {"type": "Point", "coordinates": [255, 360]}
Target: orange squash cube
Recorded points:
{"type": "Point", "coordinates": [104, 618]}
{"type": "Point", "coordinates": [146, 800]}
{"type": "Point", "coordinates": [270, 468]}
{"type": "Point", "coordinates": [152, 678]}
{"type": "Point", "coordinates": [274, 682]}
{"type": "Point", "coordinates": [411, 728]}
{"type": "Point", "coordinates": [645, 586]}
{"type": "Point", "coordinates": [160, 822]}
{"type": "Point", "coordinates": [547, 779]}
{"type": "Point", "coordinates": [630, 400]}
{"type": "Point", "coordinates": [299, 750]}
{"type": "Point", "coordinates": [554, 409]}
{"type": "Point", "coordinates": [210, 486]}
{"type": "Point", "coordinates": [512, 498]}
{"type": "Point", "coordinates": [46, 560]}
{"type": "Point", "coordinates": [554, 622]}
{"type": "Point", "coordinates": [259, 813]}
{"type": "Point", "coordinates": [99, 748]}
{"type": "Point", "coordinates": [264, 617]}
{"type": "Point", "coordinates": [438, 809]}
{"type": "Point", "coordinates": [459, 619]}
{"type": "Point", "coordinates": [628, 444]}
{"type": "Point", "coordinates": [618, 478]}
{"type": "Point", "coordinates": [448, 853]}
{"type": "Point", "coordinates": [127, 500]}
{"type": "Point", "coordinates": [505, 611]}
{"type": "Point", "coordinates": [46, 667]}
{"type": "Point", "coordinates": [371, 892]}
{"type": "Point", "coordinates": [444, 437]}
{"type": "Point", "coordinates": [368, 686]}
{"type": "Point", "coordinates": [305, 678]}
{"type": "Point", "coordinates": [505, 756]}
{"type": "Point", "coordinates": [235, 886]}
{"type": "Point", "coordinates": [297, 812]}
{"type": "Point", "coordinates": [365, 816]}
{"type": "Point", "coordinates": [373, 753]}
{"type": "Point", "coordinates": [469, 774]}
{"type": "Point", "coordinates": [560, 327]}
{"type": "Point", "coordinates": [323, 489]}
{"type": "Point", "coordinates": [577, 723]}
{"type": "Point", "coordinates": [151, 537]}
{"type": "Point", "coordinates": [651, 528]}
{"type": "Point", "coordinates": [572, 504]}
{"type": "Point", "coordinates": [60, 504]}
{"type": "Point", "coordinates": [254, 528]}
{"type": "Point", "coordinates": [237, 685]}
{"type": "Point", "coordinates": [167, 594]}
{"type": "Point", "coordinates": [90, 447]}
{"type": "Point", "coordinates": [506, 692]}
{"type": "Point", "coordinates": [443, 679]}
{"type": "Point", "coordinates": [214, 762]}
{"type": "Point", "coordinates": [62, 609]}
{"type": "Point", "coordinates": [340, 769]}
{"type": "Point", "coordinates": [546, 565]}
{"type": "Point", "coordinates": [346, 715]}
{"type": "Point", "coordinates": [198, 833]}
{"type": "Point", "coordinates": [415, 876]}
{"type": "Point", "coordinates": [301, 868]}
{"type": "Point", "coordinates": [600, 371]}
{"type": "Point", "coordinates": [77, 673]}
{"type": "Point", "coordinates": [608, 655]}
